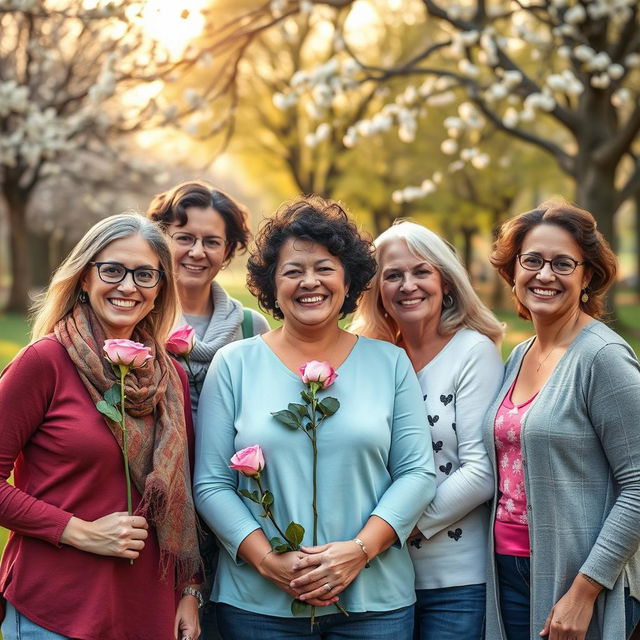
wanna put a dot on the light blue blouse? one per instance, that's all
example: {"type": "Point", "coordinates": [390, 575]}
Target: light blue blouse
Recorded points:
{"type": "Point", "coordinates": [373, 459]}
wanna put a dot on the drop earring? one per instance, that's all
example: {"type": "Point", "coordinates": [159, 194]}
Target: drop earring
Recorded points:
{"type": "Point", "coordinates": [585, 296]}
{"type": "Point", "coordinates": [276, 305]}
{"type": "Point", "coordinates": [83, 296]}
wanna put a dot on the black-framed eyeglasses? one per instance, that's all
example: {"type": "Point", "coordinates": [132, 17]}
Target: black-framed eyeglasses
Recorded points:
{"type": "Point", "coordinates": [562, 265]}
{"type": "Point", "coordinates": [114, 272]}
{"type": "Point", "coordinates": [188, 240]}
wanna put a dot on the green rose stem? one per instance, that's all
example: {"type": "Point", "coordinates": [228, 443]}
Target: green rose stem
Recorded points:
{"type": "Point", "coordinates": [192, 376]}
{"type": "Point", "coordinates": [125, 438]}
{"type": "Point", "coordinates": [314, 445]}
{"type": "Point", "coordinates": [313, 387]}
{"type": "Point", "coordinates": [269, 514]}
{"type": "Point", "coordinates": [124, 369]}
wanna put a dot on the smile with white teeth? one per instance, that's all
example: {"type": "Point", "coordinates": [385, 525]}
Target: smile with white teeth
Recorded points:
{"type": "Point", "coordinates": [310, 299]}
{"type": "Point", "coordinates": [117, 302]}
{"type": "Point", "coordinates": [195, 269]}
{"type": "Point", "coordinates": [411, 302]}
{"type": "Point", "coordinates": [549, 293]}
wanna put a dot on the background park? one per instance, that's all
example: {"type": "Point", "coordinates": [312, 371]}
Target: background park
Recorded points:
{"type": "Point", "coordinates": [457, 114]}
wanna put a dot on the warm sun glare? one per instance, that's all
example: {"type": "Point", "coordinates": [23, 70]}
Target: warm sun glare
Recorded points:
{"type": "Point", "coordinates": [174, 24]}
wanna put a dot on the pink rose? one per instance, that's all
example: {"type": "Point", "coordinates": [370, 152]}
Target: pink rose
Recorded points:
{"type": "Point", "coordinates": [249, 461]}
{"type": "Point", "coordinates": [126, 353]}
{"type": "Point", "coordinates": [315, 371]}
{"type": "Point", "coordinates": [181, 341]}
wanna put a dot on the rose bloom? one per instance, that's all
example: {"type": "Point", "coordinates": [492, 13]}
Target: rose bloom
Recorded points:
{"type": "Point", "coordinates": [126, 352]}
{"type": "Point", "coordinates": [181, 341]}
{"type": "Point", "coordinates": [315, 371]}
{"type": "Point", "coordinates": [249, 461]}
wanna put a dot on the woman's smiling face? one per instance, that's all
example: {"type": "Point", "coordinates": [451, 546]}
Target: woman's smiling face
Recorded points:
{"type": "Point", "coordinates": [544, 292]}
{"type": "Point", "coordinates": [410, 288]}
{"type": "Point", "coordinates": [198, 264]}
{"type": "Point", "coordinates": [310, 283]}
{"type": "Point", "coordinates": [120, 306]}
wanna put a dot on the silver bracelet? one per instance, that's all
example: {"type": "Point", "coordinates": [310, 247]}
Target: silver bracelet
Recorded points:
{"type": "Point", "coordinates": [192, 591]}
{"type": "Point", "coordinates": [364, 550]}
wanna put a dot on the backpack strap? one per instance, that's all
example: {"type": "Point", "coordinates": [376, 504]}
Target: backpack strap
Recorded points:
{"type": "Point", "coordinates": [247, 323]}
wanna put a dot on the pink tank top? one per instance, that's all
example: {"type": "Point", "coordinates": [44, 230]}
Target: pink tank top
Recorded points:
{"type": "Point", "coordinates": [511, 529]}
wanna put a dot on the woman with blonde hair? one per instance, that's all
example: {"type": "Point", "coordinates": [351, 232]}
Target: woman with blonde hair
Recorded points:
{"type": "Point", "coordinates": [421, 299]}
{"type": "Point", "coordinates": [76, 564]}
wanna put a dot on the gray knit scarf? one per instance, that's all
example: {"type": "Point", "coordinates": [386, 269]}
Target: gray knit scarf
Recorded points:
{"type": "Point", "coordinates": [223, 325]}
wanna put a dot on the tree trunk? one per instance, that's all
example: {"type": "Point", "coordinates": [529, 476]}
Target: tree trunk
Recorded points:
{"type": "Point", "coordinates": [17, 200]}
{"type": "Point", "coordinates": [467, 245]}
{"type": "Point", "coordinates": [596, 192]}
{"type": "Point", "coordinates": [636, 275]}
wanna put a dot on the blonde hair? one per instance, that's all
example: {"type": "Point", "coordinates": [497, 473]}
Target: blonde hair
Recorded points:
{"type": "Point", "coordinates": [65, 285]}
{"type": "Point", "coordinates": [467, 310]}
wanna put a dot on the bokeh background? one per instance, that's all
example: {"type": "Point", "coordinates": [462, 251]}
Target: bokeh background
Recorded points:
{"type": "Point", "coordinates": [456, 114]}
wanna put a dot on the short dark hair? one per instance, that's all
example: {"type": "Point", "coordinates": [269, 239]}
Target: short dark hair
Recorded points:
{"type": "Point", "coordinates": [582, 227]}
{"type": "Point", "coordinates": [317, 220]}
{"type": "Point", "coordinates": [170, 206]}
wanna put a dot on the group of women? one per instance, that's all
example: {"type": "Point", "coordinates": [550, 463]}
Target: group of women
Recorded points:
{"type": "Point", "coordinates": [453, 497]}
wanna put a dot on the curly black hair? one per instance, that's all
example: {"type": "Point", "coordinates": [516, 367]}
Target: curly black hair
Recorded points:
{"type": "Point", "coordinates": [321, 221]}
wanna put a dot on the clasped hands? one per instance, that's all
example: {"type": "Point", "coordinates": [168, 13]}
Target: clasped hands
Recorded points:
{"type": "Point", "coordinates": [316, 575]}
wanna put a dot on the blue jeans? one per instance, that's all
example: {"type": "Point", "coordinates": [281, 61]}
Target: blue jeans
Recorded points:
{"type": "Point", "coordinates": [17, 627]}
{"type": "Point", "coordinates": [237, 624]}
{"type": "Point", "coordinates": [514, 583]}
{"type": "Point", "coordinates": [514, 586]}
{"type": "Point", "coordinates": [209, 622]}
{"type": "Point", "coordinates": [450, 613]}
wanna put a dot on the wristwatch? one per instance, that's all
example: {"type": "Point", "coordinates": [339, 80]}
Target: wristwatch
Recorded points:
{"type": "Point", "coordinates": [192, 591]}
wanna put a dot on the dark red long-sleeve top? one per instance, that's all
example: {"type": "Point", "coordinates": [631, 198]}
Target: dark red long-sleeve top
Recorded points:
{"type": "Point", "coordinates": [66, 462]}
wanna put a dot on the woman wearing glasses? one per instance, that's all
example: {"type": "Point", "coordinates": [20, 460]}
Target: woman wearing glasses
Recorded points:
{"type": "Point", "coordinates": [76, 564]}
{"type": "Point", "coordinates": [205, 228]}
{"type": "Point", "coordinates": [564, 441]}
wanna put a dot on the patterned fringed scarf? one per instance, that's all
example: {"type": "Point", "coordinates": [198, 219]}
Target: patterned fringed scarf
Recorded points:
{"type": "Point", "coordinates": [158, 452]}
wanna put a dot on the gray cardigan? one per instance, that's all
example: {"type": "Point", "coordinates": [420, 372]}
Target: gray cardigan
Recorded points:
{"type": "Point", "coordinates": [581, 459]}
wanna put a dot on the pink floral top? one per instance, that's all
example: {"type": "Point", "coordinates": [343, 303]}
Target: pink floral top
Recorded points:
{"type": "Point", "coordinates": [511, 526]}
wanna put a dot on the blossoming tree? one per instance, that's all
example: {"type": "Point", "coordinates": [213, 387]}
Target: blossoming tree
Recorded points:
{"type": "Point", "coordinates": [562, 75]}
{"type": "Point", "coordinates": [70, 78]}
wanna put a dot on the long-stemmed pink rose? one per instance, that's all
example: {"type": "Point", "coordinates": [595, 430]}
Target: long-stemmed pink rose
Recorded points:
{"type": "Point", "coordinates": [250, 463]}
{"type": "Point", "coordinates": [180, 344]}
{"type": "Point", "coordinates": [126, 353]}
{"type": "Point", "coordinates": [307, 418]}
{"type": "Point", "coordinates": [315, 371]}
{"type": "Point", "coordinates": [123, 355]}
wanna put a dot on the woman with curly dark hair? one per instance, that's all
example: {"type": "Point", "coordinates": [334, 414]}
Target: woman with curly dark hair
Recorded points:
{"type": "Point", "coordinates": [375, 472]}
{"type": "Point", "coordinates": [564, 442]}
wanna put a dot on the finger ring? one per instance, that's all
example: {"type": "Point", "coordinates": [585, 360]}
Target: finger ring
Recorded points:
{"type": "Point", "coordinates": [327, 586]}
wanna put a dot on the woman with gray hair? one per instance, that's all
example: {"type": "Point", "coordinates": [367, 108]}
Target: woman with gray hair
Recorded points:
{"type": "Point", "coordinates": [422, 300]}
{"type": "Point", "coordinates": [77, 564]}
